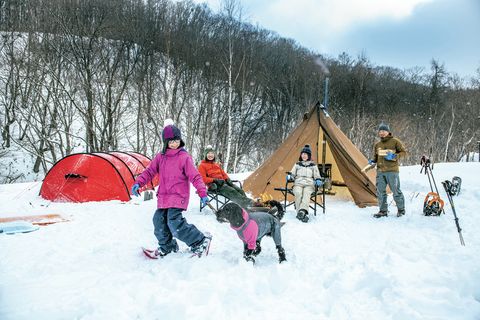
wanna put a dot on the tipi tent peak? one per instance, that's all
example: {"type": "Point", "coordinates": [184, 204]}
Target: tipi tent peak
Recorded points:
{"type": "Point", "coordinates": [336, 156]}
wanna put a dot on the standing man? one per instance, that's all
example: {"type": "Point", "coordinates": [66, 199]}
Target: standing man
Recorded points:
{"type": "Point", "coordinates": [387, 152]}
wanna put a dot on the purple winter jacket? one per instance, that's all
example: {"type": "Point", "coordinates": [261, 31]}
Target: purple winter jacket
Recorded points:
{"type": "Point", "coordinates": [175, 171]}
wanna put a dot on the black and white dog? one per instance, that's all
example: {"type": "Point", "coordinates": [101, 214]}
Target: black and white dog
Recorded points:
{"type": "Point", "coordinates": [251, 227]}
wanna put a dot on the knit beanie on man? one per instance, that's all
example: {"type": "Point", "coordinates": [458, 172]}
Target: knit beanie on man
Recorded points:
{"type": "Point", "coordinates": [170, 132]}
{"type": "Point", "coordinates": [207, 150]}
{"type": "Point", "coordinates": [306, 150]}
{"type": "Point", "coordinates": [384, 127]}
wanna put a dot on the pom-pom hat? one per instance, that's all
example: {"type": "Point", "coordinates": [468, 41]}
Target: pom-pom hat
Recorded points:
{"type": "Point", "coordinates": [170, 132]}
{"type": "Point", "coordinates": [306, 150]}
{"type": "Point", "coordinates": [207, 150]}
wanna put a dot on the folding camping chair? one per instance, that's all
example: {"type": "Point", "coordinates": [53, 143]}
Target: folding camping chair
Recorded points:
{"type": "Point", "coordinates": [214, 195]}
{"type": "Point", "coordinates": [313, 197]}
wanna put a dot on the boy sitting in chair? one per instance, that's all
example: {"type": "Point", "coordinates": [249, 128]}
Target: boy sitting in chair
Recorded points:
{"type": "Point", "coordinates": [217, 180]}
{"type": "Point", "coordinates": [306, 176]}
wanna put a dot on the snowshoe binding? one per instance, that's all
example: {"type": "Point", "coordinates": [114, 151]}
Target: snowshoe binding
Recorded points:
{"type": "Point", "coordinates": [433, 205]}
{"type": "Point", "coordinates": [453, 188]}
{"type": "Point", "coordinates": [154, 254]}
{"type": "Point", "coordinates": [204, 247]}
{"type": "Point", "coordinates": [159, 253]}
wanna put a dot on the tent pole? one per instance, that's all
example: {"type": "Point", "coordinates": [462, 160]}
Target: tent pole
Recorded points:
{"type": "Point", "coordinates": [326, 92]}
{"type": "Point", "coordinates": [324, 146]}
{"type": "Point", "coordinates": [324, 154]}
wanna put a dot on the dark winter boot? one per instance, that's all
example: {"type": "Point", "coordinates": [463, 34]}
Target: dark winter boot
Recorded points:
{"type": "Point", "coordinates": [380, 214]}
{"type": "Point", "coordinates": [305, 218]}
{"type": "Point", "coordinates": [301, 214]}
{"type": "Point", "coordinates": [400, 213]}
{"type": "Point", "coordinates": [257, 249]}
{"type": "Point", "coordinates": [202, 247]}
{"type": "Point", "coordinates": [162, 253]}
{"type": "Point", "coordinates": [281, 254]}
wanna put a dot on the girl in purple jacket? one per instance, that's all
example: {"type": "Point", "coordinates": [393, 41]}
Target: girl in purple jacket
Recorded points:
{"type": "Point", "coordinates": [176, 171]}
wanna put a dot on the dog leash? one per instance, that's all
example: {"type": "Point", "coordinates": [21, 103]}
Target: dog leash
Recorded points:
{"type": "Point", "coordinates": [211, 207]}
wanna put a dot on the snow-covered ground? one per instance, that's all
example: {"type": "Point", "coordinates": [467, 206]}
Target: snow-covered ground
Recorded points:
{"type": "Point", "coordinates": [341, 265]}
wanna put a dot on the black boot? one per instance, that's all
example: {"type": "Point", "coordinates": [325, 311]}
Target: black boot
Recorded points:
{"type": "Point", "coordinates": [305, 218]}
{"type": "Point", "coordinates": [281, 254]}
{"type": "Point", "coordinates": [301, 214]}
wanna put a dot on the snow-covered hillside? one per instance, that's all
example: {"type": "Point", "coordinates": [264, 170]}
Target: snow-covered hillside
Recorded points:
{"type": "Point", "coordinates": [341, 265]}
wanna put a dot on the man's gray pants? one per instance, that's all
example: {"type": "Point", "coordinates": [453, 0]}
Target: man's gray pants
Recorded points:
{"type": "Point", "coordinates": [393, 180]}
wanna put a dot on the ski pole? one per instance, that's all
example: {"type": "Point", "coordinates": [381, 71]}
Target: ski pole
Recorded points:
{"type": "Point", "coordinates": [434, 183]}
{"type": "Point", "coordinates": [447, 190]}
{"type": "Point", "coordinates": [425, 162]}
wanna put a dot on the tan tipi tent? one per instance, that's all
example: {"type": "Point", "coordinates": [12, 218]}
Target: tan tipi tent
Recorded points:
{"type": "Point", "coordinates": [343, 162]}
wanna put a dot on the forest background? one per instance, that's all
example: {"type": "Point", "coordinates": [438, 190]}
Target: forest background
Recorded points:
{"type": "Point", "coordinates": [103, 75]}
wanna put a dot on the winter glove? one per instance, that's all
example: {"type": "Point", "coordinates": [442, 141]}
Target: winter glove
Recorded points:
{"type": "Point", "coordinates": [135, 189]}
{"type": "Point", "coordinates": [204, 201]}
{"type": "Point", "coordinates": [318, 182]}
{"type": "Point", "coordinates": [229, 182]}
{"type": "Point", "coordinates": [390, 156]}
{"type": "Point", "coordinates": [371, 161]}
{"type": "Point", "coordinates": [218, 182]}
{"type": "Point", "coordinates": [289, 178]}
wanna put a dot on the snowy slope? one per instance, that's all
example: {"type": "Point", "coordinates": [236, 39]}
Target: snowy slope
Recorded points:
{"type": "Point", "coordinates": [341, 265]}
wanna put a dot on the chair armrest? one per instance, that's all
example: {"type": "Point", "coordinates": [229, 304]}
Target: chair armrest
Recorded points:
{"type": "Point", "coordinates": [238, 182]}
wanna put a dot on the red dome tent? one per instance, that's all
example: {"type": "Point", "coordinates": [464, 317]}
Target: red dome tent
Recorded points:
{"type": "Point", "coordinates": [85, 177]}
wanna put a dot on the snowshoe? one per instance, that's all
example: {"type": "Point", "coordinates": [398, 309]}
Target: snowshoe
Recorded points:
{"type": "Point", "coordinates": [453, 188]}
{"type": "Point", "coordinates": [159, 253]}
{"type": "Point", "coordinates": [153, 254]}
{"type": "Point", "coordinates": [457, 182]}
{"type": "Point", "coordinates": [400, 213]}
{"type": "Point", "coordinates": [204, 247]}
{"type": "Point", "coordinates": [433, 205]}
